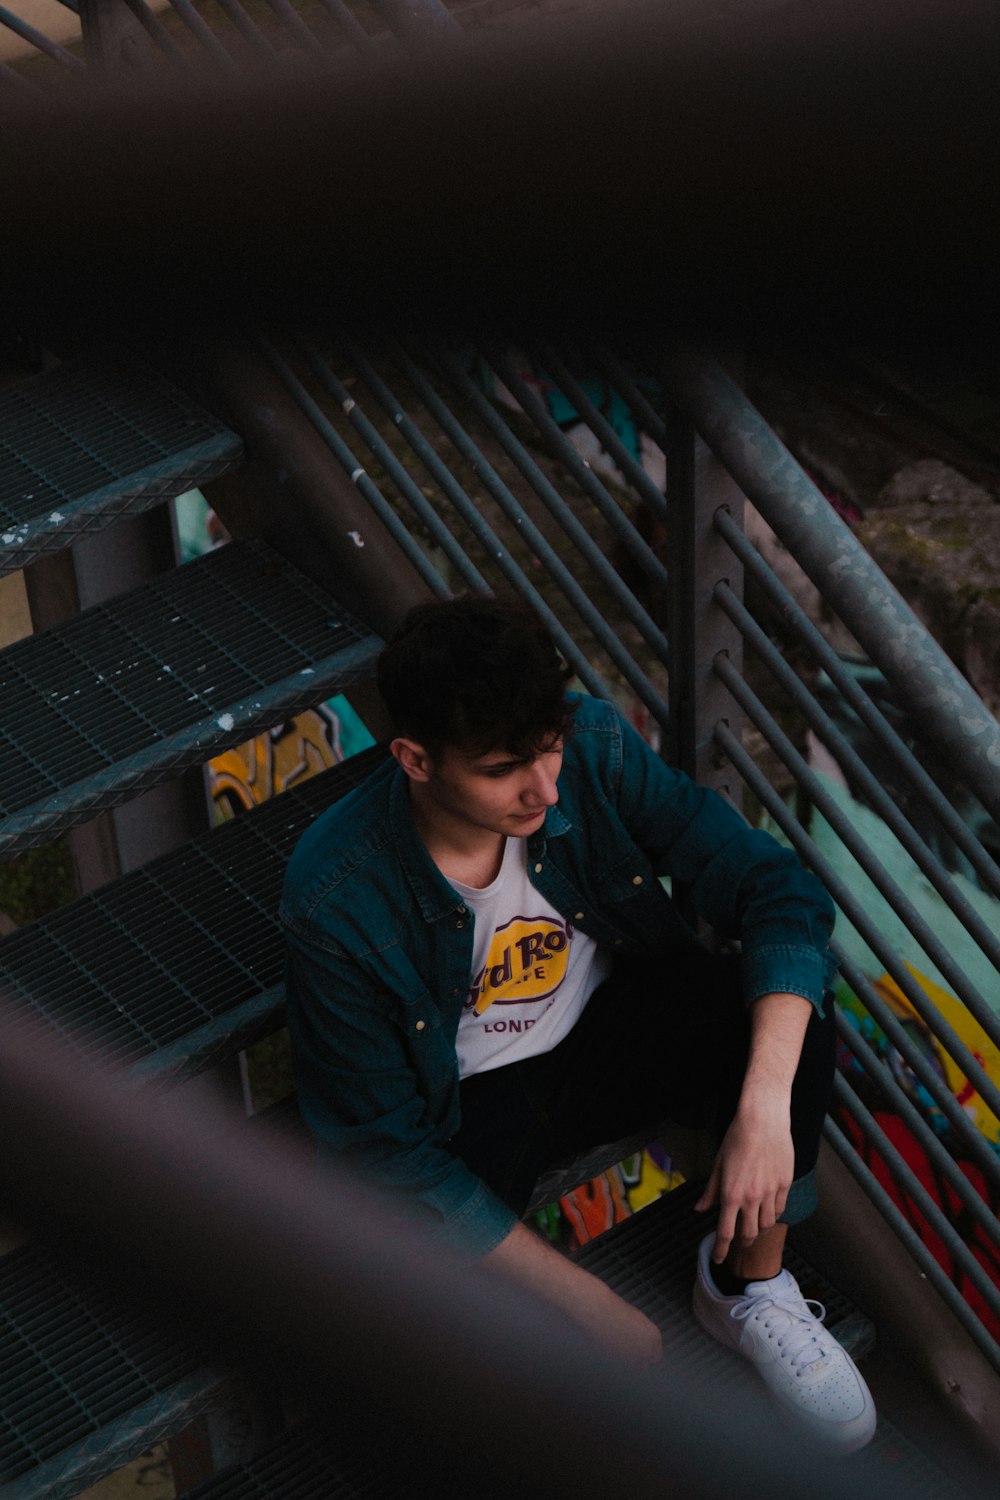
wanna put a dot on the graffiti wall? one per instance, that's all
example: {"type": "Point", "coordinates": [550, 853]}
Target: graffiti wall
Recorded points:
{"type": "Point", "coordinates": [610, 1197]}
{"type": "Point", "coordinates": [278, 758]}
{"type": "Point", "coordinates": [903, 1139]}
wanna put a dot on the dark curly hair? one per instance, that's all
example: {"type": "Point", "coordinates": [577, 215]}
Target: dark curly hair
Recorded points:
{"type": "Point", "coordinates": [475, 674]}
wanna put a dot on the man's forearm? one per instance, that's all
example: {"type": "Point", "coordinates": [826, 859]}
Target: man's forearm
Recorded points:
{"type": "Point", "coordinates": [527, 1261]}
{"type": "Point", "coordinates": [778, 1026]}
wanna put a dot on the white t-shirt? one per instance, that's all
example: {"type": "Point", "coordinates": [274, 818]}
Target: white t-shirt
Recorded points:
{"type": "Point", "coordinates": [532, 972]}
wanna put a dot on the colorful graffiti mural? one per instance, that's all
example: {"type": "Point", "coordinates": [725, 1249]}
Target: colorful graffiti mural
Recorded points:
{"type": "Point", "coordinates": [275, 760]}
{"type": "Point", "coordinates": [902, 1138]}
{"type": "Point", "coordinates": [610, 1197]}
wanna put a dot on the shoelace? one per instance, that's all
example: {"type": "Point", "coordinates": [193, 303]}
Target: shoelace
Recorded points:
{"type": "Point", "coordinates": [794, 1324]}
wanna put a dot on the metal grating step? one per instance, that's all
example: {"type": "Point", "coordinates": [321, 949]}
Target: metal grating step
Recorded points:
{"type": "Point", "coordinates": [84, 445]}
{"type": "Point", "coordinates": [651, 1258]}
{"type": "Point", "coordinates": [131, 692]}
{"type": "Point", "coordinates": [648, 1258]}
{"type": "Point", "coordinates": [89, 1377]}
{"type": "Point", "coordinates": [181, 961]}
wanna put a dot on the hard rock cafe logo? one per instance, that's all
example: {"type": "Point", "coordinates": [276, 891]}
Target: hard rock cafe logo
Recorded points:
{"type": "Point", "coordinates": [526, 963]}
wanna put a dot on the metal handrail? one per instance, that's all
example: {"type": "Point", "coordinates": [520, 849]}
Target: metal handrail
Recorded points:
{"type": "Point", "coordinates": [796, 618]}
{"type": "Point", "coordinates": [922, 675]}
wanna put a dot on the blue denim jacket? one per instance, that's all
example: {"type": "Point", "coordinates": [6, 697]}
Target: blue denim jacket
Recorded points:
{"type": "Point", "coordinates": [380, 945]}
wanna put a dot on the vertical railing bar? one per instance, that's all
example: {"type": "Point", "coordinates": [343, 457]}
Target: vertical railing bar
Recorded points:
{"type": "Point", "coordinates": [905, 1179]}
{"type": "Point", "coordinates": [577, 596]}
{"type": "Point", "coordinates": [553, 501]}
{"type": "Point", "coordinates": [639, 549]}
{"type": "Point", "coordinates": [905, 1232]}
{"type": "Point", "coordinates": [249, 29]}
{"type": "Point", "coordinates": [851, 762]}
{"type": "Point", "coordinates": [482, 531]}
{"type": "Point", "coordinates": [873, 868]}
{"type": "Point", "coordinates": [350, 24]}
{"type": "Point", "coordinates": [870, 715]}
{"type": "Point", "coordinates": [349, 463]}
{"type": "Point", "coordinates": [204, 33]}
{"type": "Point", "coordinates": [882, 1077]}
{"type": "Point", "coordinates": [401, 479]}
{"type": "Point", "coordinates": [38, 39]}
{"type": "Point", "coordinates": [598, 423]}
{"type": "Point", "coordinates": [294, 24]}
{"type": "Point", "coordinates": [859, 918]}
{"type": "Point", "coordinates": [922, 1068]}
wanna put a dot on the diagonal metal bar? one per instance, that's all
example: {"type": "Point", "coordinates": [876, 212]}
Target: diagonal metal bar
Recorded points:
{"type": "Point", "coordinates": [913, 1243]}
{"type": "Point", "coordinates": [206, 36]}
{"type": "Point", "coordinates": [871, 788]}
{"type": "Point", "coordinates": [922, 931]}
{"type": "Point", "coordinates": [380, 449]}
{"type": "Point", "coordinates": [869, 714]}
{"type": "Point", "coordinates": [624, 527]}
{"type": "Point", "coordinates": [810, 855]}
{"type": "Point", "coordinates": [923, 677]}
{"type": "Point", "coordinates": [551, 499]}
{"type": "Point", "coordinates": [29, 33]}
{"type": "Point", "coordinates": [881, 1076]}
{"type": "Point", "coordinates": [979, 1149]}
{"type": "Point", "coordinates": [366, 485]}
{"type": "Point", "coordinates": [546, 554]}
{"type": "Point", "coordinates": [480, 528]}
{"type": "Point", "coordinates": [905, 1179]}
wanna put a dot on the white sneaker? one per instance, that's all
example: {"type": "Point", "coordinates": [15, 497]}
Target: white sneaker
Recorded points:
{"type": "Point", "coordinates": [801, 1363]}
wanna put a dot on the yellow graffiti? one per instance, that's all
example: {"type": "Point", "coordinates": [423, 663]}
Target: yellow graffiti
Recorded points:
{"type": "Point", "coordinates": [970, 1032]}
{"type": "Point", "coordinates": [273, 761]}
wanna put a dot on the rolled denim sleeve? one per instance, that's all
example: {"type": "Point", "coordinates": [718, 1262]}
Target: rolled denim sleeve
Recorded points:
{"type": "Point", "coordinates": [742, 881]}
{"type": "Point", "coordinates": [358, 1094]}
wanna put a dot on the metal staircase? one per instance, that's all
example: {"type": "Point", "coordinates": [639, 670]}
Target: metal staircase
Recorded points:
{"type": "Point", "coordinates": [175, 967]}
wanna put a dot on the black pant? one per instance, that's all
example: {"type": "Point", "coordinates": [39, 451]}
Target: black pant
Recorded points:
{"type": "Point", "coordinates": [651, 1046]}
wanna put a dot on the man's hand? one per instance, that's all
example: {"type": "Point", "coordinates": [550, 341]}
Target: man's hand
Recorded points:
{"type": "Point", "coordinates": [621, 1329]}
{"type": "Point", "coordinates": [756, 1162]}
{"type": "Point", "coordinates": [751, 1177]}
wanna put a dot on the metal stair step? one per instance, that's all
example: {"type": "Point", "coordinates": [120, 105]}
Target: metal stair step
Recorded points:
{"type": "Point", "coordinates": [90, 1378]}
{"type": "Point", "coordinates": [185, 955]}
{"type": "Point", "coordinates": [179, 962]}
{"type": "Point", "coordinates": [85, 444]}
{"type": "Point", "coordinates": [132, 691]}
{"type": "Point", "coordinates": [650, 1259]}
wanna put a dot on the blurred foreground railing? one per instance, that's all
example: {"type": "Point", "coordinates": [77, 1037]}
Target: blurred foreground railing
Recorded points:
{"type": "Point", "coordinates": [408, 1347]}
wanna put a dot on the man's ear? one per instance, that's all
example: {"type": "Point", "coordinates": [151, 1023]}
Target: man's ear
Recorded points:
{"type": "Point", "coordinates": [413, 758]}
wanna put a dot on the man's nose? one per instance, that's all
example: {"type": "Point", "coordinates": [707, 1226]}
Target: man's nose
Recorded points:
{"type": "Point", "coordinates": [542, 786]}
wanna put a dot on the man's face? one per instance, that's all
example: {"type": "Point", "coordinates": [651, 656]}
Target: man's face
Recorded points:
{"type": "Point", "coordinates": [496, 791]}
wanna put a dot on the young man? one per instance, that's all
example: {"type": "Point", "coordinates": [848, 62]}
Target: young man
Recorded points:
{"type": "Point", "coordinates": [486, 975]}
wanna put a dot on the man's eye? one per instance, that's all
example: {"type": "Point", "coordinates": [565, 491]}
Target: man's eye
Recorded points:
{"type": "Point", "coordinates": [497, 771]}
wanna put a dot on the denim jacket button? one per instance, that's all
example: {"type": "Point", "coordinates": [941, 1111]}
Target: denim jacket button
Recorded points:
{"type": "Point", "coordinates": [421, 1025]}
{"type": "Point", "coordinates": [538, 869]}
{"type": "Point", "coordinates": [578, 917]}
{"type": "Point", "coordinates": [637, 880]}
